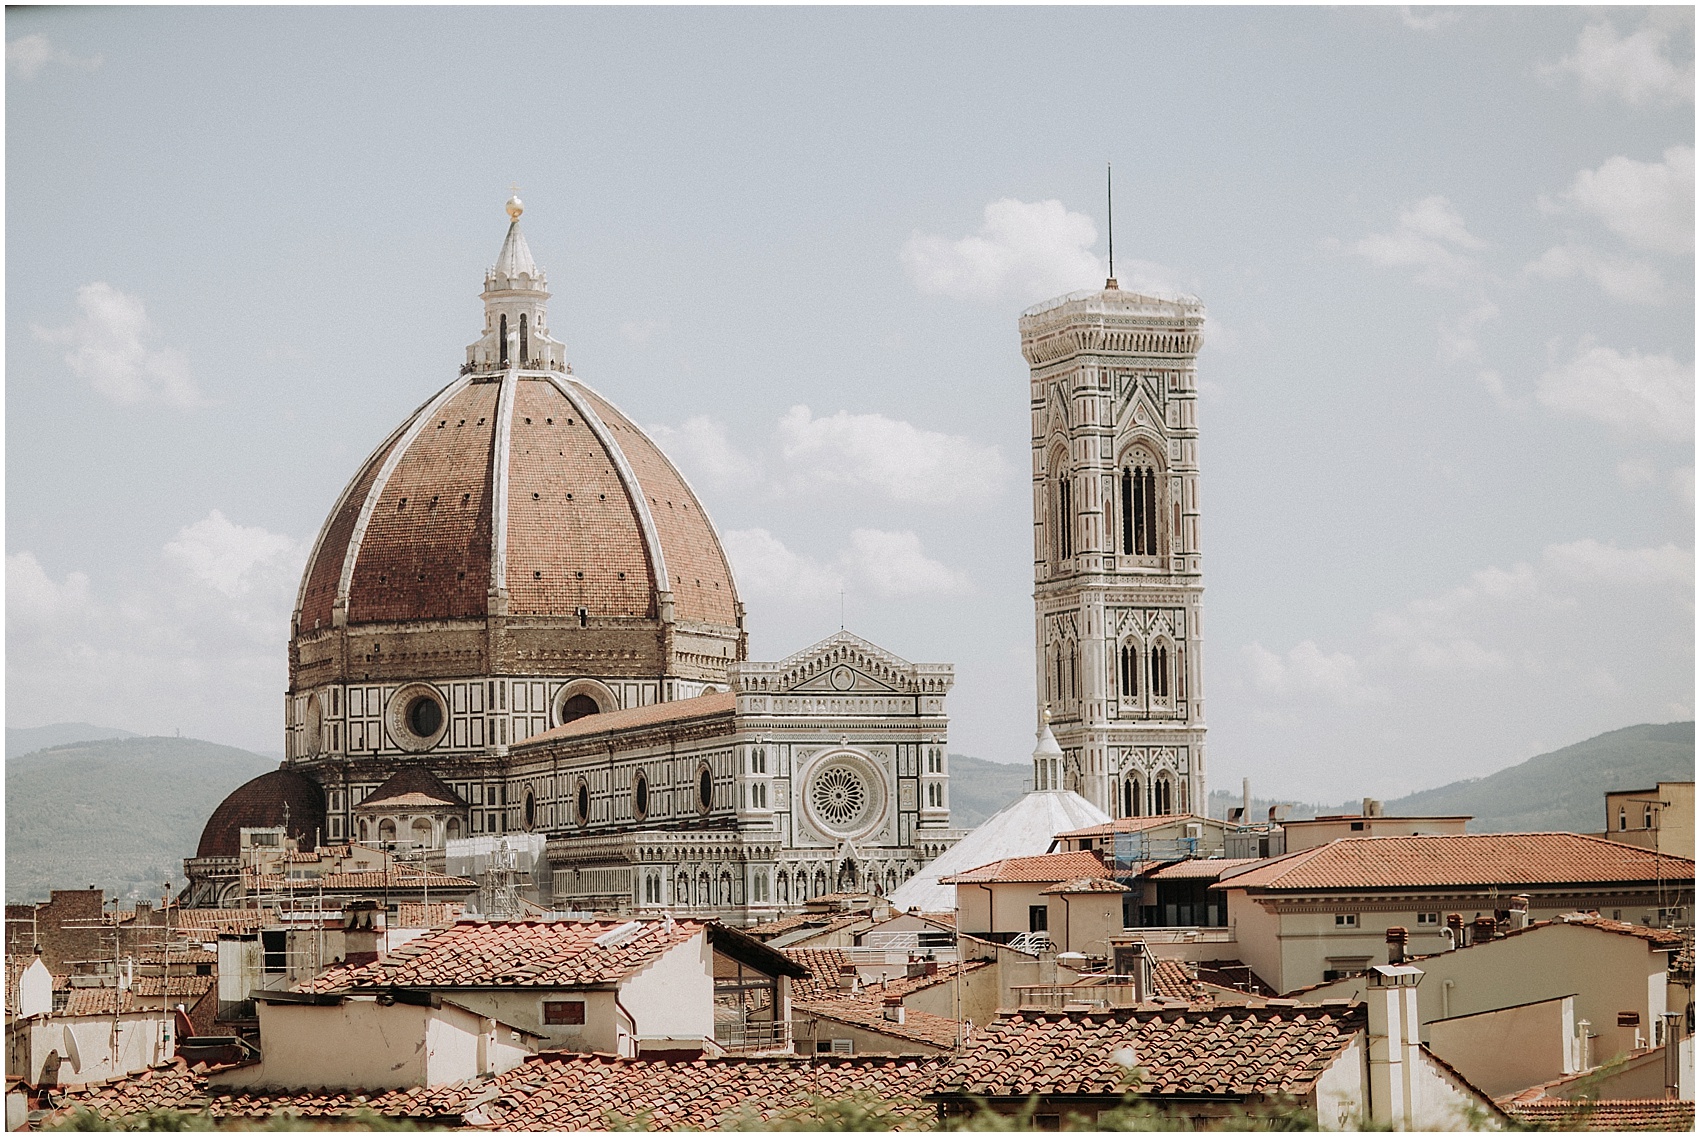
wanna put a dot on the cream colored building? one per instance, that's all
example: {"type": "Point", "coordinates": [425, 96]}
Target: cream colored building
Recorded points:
{"type": "Point", "coordinates": [1317, 915]}
{"type": "Point", "coordinates": [1661, 819]}
{"type": "Point", "coordinates": [1311, 832]}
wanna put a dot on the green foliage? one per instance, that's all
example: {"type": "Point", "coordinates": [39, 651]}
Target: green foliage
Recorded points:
{"type": "Point", "coordinates": [196, 1121]}
{"type": "Point", "coordinates": [118, 813]}
{"type": "Point", "coordinates": [859, 1112]}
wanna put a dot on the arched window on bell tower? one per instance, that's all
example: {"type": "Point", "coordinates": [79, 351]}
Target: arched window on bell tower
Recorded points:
{"type": "Point", "coordinates": [503, 340]}
{"type": "Point", "coordinates": [1129, 664]}
{"type": "Point", "coordinates": [1062, 509]}
{"type": "Point", "coordinates": [524, 340]}
{"type": "Point", "coordinates": [1141, 474]}
{"type": "Point", "coordinates": [1132, 801]}
{"type": "Point", "coordinates": [1158, 672]}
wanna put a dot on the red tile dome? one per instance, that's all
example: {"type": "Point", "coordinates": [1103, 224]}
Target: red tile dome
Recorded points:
{"type": "Point", "coordinates": [533, 487]}
{"type": "Point", "coordinates": [282, 797]}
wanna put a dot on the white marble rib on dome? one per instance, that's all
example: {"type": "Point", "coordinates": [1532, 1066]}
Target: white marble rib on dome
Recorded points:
{"type": "Point", "coordinates": [1023, 828]}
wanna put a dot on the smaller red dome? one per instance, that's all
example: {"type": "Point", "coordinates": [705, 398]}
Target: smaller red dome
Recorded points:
{"type": "Point", "coordinates": [282, 797]}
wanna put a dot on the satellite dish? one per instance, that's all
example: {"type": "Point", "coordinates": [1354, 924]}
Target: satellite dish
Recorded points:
{"type": "Point", "coordinates": [71, 1051]}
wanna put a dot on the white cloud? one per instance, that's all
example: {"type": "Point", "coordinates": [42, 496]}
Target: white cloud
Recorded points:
{"type": "Point", "coordinates": [1026, 250]}
{"type": "Point", "coordinates": [1651, 395]}
{"type": "Point", "coordinates": [1308, 670]}
{"type": "Point", "coordinates": [1635, 67]}
{"type": "Point", "coordinates": [1430, 236]}
{"type": "Point", "coordinates": [870, 453]}
{"type": "Point", "coordinates": [1591, 562]}
{"type": "Point", "coordinates": [893, 564]}
{"type": "Point", "coordinates": [640, 332]}
{"type": "Point", "coordinates": [1648, 204]}
{"type": "Point", "coordinates": [1427, 19]}
{"type": "Point", "coordinates": [848, 455]}
{"type": "Point", "coordinates": [113, 346]}
{"type": "Point", "coordinates": [701, 447]}
{"type": "Point", "coordinates": [29, 56]}
{"type": "Point", "coordinates": [1632, 281]}
{"type": "Point", "coordinates": [1682, 485]}
{"type": "Point", "coordinates": [875, 563]}
{"type": "Point", "coordinates": [195, 639]}
{"type": "Point", "coordinates": [1636, 474]}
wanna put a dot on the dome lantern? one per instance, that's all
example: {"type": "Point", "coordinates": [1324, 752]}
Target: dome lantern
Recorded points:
{"type": "Point", "coordinates": [516, 310]}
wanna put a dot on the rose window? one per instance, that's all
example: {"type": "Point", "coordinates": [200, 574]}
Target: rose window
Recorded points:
{"type": "Point", "coordinates": [839, 796]}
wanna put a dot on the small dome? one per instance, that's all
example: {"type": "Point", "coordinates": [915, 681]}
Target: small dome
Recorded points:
{"type": "Point", "coordinates": [282, 797]}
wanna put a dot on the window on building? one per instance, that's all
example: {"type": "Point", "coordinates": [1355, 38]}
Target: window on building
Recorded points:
{"type": "Point", "coordinates": [1622, 818]}
{"type": "Point", "coordinates": [1159, 671]}
{"type": "Point", "coordinates": [563, 1012]}
{"type": "Point", "coordinates": [524, 341]}
{"type": "Point", "coordinates": [758, 761]}
{"type": "Point", "coordinates": [758, 885]}
{"type": "Point", "coordinates": [503, 349]}
{"type": "Point", "coordinates": [1345, 919]}
{"type": "Point", "coordinates": [582, 801]}
{"type": "Point", "coordinates": [1132, 801]}
{"type": "Point", "coordinates": [1646, 817]}
{"type": "Point", "coordinates": [1065, 516]}
{"type": "Point", "coordinates": [1431, 919]}
{"type": "Point", "coordinates": [705, 789]}
{"type": "Point", "coordinates": [758, 795]}
{"type": "Point", "coordinates": [1038, 918]}
{"type": "Point", "coordinates": [1129, 671]}
{"type": "Point", "coordinates": [640, 797]}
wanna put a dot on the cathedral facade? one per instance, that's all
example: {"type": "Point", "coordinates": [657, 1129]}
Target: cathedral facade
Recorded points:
{"type": "Point", "coordinates": [518, 618]}
{"type": "Point", "coordinates": [1117, 569]}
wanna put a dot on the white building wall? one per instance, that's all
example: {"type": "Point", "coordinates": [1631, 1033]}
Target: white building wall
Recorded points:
{"type": "Point", "coordinates": [674, 996]}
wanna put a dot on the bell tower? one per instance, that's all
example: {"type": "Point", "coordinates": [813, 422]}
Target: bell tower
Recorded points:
{"type": "Point", "coordinates": [1117, 572]}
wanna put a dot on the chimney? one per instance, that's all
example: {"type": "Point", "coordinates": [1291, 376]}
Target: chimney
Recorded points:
{"type": "Point", "coordinates": [1519, 911]}
{"type": "Point", "coordinates": [1455, 925]}
{"type": "Point", "coordinates": [893, 1006]}
{"type": "Point", "coordinates": [1372, 807]}
{"type": "Point", "coordinates": [848, 978]}
{"type": "Point", "coordinates": [1481, 929]}
{"type": "Point", "coordinates": [1397, 937]}
{"type": "Point", "coordinates": [1629, 1031]}
{"type": "Point", "coordinates": [362, 932]}
{"type": "Point", "coordinates": [1395, 1045]}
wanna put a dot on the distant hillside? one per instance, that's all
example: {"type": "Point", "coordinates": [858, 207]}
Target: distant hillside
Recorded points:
{"type": "Point", "coordinates": [979, 788]}
{"type": "Point", "coordinates": [24, 739]}
{"type": "Point", "coordinates": [117, 813]}
{"type": "Point", "coordinates": [1566, 788]}
{"type": "Point", "coordinates": [1563, 790]}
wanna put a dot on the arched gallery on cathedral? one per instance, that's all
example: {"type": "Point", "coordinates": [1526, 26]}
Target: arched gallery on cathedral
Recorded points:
{"type": "Point", "coordinates": [518, 625]}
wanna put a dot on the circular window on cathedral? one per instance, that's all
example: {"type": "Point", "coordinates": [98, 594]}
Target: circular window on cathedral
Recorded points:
{"type": "Point", "coordinates": [416, 717]}
{"type": "Point", "coordinates": [640, 798]}
{"type": "Point", "coordinates": [575, 707]}
{"type": "Point", "coordinates": [705, 788]}
{"type": "Point", "coordinates": [581, 802]}
{"type": "Point", "coordinates": [313, 728]}
{"type": "Point", "coordinates": [840, 796]}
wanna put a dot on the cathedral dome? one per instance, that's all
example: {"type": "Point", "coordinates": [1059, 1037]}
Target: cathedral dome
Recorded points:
{"type": "Point", "coordinates": [518, 491]}
{"type": "Point", "coordinates": [535, 497]}
{"type": "Point", "coordinates": [282, 797]}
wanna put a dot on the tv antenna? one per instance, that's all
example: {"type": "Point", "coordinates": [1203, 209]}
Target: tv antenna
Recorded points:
{"type": "Point", "coordinates": [1110, 212]}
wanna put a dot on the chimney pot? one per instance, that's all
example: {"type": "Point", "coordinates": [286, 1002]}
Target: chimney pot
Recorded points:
{"type": "Point", "coordinates": [1481, 929]}
{"type": "Point", "coordinates": [1397, 937]}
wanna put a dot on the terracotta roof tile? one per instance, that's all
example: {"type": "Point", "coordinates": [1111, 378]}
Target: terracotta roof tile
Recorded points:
{"type": "Point", "coordinates": [867, 1012]}
{"type": "Point", "coordinates": [413, 785]}
{"type": "Point", "coordinates": [372, 880]}
{"type": "Point", "coordinates": [1230, 1051]}
{"type": "Point", "coordinates": [1084, 884]}
{"type": "Point", "coordinates": [1132, 825]}
{"type": "Point", "coordinates": [212, 921]}
{"type": "Point", "coordinates": [563, 1091]}
{"type": "Point", "coordinates": [702, 706]}
{"type": "Point", "coordinates": [1200, 868]}
{"type": "Point", "coordinates": [1647, 1114]}
{"type": "Point", "coordinates": [822, 981]}
{"type": "Point", "coordinates": [560, 953]}
{"type": "Point", "coordinates": [1033, 870]}
{"type": "Point", "coordinates": [432, 915]}
{"type": "Point", "coordinates": [1500, 859]}
{"type": "Point", "coordinates": [106, 1000]}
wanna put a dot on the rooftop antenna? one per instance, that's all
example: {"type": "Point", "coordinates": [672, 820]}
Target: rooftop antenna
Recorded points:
{"type": "Point", "coordinates": [1110, 210]}
{"type": "Point", "coordinates": [841, 609]}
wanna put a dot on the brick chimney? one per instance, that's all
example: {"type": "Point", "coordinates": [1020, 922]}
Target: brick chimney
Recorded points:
{"type": "Point", "coordinates": [1395, 1045]}
{"type": "Point", "coordinates": [1397, 938]}
{"type": "Point", "coordinates": [1481, 929]}
{"type": "Point", "coordinates": [848, 977]}
{"type": "Point", "coordinates": [362, 931]}
{"type": "Point", "coordinates": [1455, 925]}
{"type": "Point", "coordinates": [893, 1008]}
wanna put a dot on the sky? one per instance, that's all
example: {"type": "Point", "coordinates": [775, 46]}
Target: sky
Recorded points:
{"type": "Point", "coordinates": [1447, 388]}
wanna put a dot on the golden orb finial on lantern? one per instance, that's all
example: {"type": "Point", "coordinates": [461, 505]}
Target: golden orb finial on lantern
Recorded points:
{"type": "Point", "coordinates": [515, 207]}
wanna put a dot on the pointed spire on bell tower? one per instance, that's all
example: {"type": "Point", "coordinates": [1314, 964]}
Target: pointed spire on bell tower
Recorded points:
{"type": "Point", "coordinates": [516, 310]}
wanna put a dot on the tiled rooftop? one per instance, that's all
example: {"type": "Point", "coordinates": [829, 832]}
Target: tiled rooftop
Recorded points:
{"type": "Point", "coordinates": [1132, 825]}
{"type": "Point", "coordinates": [211, 921]}
{"type": "Point", "coordinates": [702, 706]}
{"type": "Point", "coordinates": [1084, 884]}
{"type": "Point", "coordinates": [1197, 868]}
{"type": "Point", "coordinates": [413, 785]}
{"type": "Point", "coordinates": [563, 1091]}
{"type": "Point", "coordinates": [377, 880]}
{"type": "Point", "coordinates": [868, 1013]}
{"type": "Point", "coordinates": [432, 915]}
{"type": "Point", "coordinates": [1472, 859]}
{"type": "Point", "coordinates": [1232, 1051]}
{"type": "Point", "coordinates": [1647, 1114]}
{"type": "Point", "coordinates": [822, 981]}
{"type": "Point", "coordinates": [1045, 869]}
{"type": "Point", "coordinates": [106, 1000]}
{"type": "Point", "coordinates": [562, 953]}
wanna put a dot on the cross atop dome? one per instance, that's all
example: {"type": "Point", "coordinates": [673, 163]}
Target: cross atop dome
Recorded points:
{"type": "Point", "coordinates": [516, 309]}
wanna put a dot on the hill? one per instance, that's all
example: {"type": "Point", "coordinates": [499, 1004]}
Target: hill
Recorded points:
{"type": "Point", "coordinates": [118, 813]}
{"type": "Point", "coordinates": [26, 739]}
{"type": "Point", "coordinates": [979, 788]}
{"type": "Point", "coordinates": [1566, 788]}
{"type": "Point", "coordinates": [1563, 790]}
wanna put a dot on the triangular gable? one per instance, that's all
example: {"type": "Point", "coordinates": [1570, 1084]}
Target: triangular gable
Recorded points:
{"type": "Point", "coordinates": [845, 663]}
{"type": "Point", "coordinates": [413, 780]}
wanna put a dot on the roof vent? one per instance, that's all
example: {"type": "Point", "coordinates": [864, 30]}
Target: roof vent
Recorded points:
{"type": "Point", "coordinates": [620, 934]}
